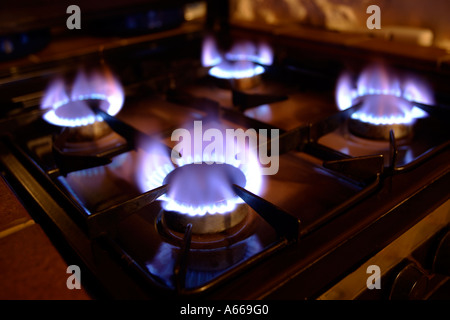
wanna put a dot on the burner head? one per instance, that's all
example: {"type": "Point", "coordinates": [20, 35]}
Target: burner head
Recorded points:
{"type": "Point", "coordinates": [379, 114]}
{"type": "Point", "coordinates": [205, 192]}
{"type": "Point", "coordinates": [212, 252]}
{"type": "Point", "coordinates": [242, 84]}
{"type": "Point", "coordinates": [205, 224]}
{"type": "Point", "coordinates": [89, 127]}
{"type": "Point", "coordinates": [88, 133]}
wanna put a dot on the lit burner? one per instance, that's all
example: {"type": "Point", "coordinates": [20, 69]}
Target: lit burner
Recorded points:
{"type": "Point", "coordinates": [72, 109]}
{"type": "Point", "coordinates": [387, 102]}
{"type": "Point", "coordinates": [200, 185]}
{"type": "Point", "coordinates": [242, 65]}
{"type": "Point", "coordinates": [196, 184]}
{"type": "Point", "coordinates": [193, 186]}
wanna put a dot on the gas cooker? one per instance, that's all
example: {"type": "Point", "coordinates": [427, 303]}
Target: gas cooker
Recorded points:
{"type": "Point", "coordinates": [337, 201]}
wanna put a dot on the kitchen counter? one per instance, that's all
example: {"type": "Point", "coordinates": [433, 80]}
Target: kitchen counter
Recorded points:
{"type": "Point", "coordinates": [31, 268]}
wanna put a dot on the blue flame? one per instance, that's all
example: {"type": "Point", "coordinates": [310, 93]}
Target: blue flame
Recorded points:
{"type": "Point", "coordinates": [386, 99]}
{"type": "Point", "coordinates": [407, 118]}
{"type": "Point", "coordinates": [247, 51]}
{"type": "Point", "coordinates": [226, 70]}
{"type": "Point", "coordinates": [52, 116]}
{"type": "Point", "coordinates": [71, 110]}
{"type": "Point", "coordinates": [155, 165]}
{"type": "Point", "coordinates": [244, 60]}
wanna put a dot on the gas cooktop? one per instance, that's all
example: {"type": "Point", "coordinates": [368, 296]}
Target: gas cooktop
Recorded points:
{"type": "Point", "coordinates": [231, 173]}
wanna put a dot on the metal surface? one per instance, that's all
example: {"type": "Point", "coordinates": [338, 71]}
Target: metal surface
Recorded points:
{"type": "Point", "coordinates": [110, 217]}
{"type": "Point", "coordinates": [245, 100]}
{"type": "Point", "coordinates": [416, 244]}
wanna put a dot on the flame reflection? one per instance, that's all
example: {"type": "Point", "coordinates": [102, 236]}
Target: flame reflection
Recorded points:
{"type": "Point", "coordinates": [162, 265]}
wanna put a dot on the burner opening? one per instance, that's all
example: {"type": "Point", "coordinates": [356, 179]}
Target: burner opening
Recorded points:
{"type": "Point", "coordinates": [201, 194]}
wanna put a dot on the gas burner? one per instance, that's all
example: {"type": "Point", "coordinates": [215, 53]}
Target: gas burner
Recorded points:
{"type": "Point", "coordinates": [73, 110]}
{"type": "Point", "coordinates": [198, 198]}
{"type": "Point", "coordinates": [89, 139]}
{"type": "Point", "coordinates": [83, 132]}
{"type": "Point", "coordinates": [387, 103]}
{"type": "Point", "coordinates": [200, 184]}
{"type": "Point", "coordinates": [241, 67]}
{"type": "Point", "coordinates": [376, 126]}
